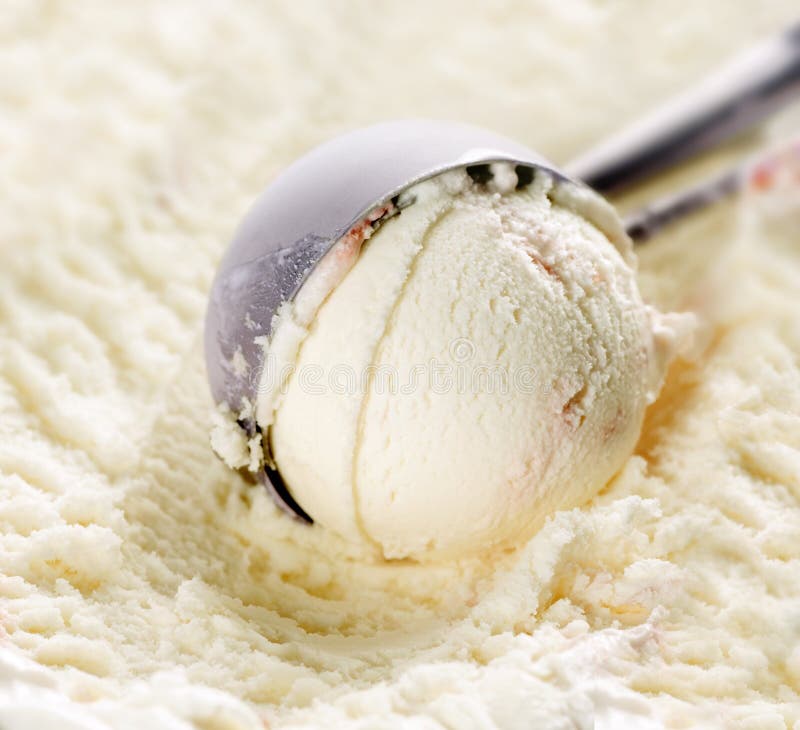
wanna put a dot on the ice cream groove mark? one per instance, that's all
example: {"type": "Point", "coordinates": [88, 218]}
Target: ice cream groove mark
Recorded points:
{"type": "Point", "coordinates": [361, 421]}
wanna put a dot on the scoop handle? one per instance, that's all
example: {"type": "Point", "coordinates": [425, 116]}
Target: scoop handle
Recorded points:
{"type": "Point", "coordinates": [762, 171]}
{"type": "Point", "coordinates": [739, 95]}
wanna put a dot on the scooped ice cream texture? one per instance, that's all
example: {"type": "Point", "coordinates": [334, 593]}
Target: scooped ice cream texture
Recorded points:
{"type": "Point", "coordinates": [145, 584]}
{"type": "Point", "coordinates": [487, 360]}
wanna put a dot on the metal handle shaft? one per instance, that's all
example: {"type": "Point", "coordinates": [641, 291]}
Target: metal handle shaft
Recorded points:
{"type": "Point", "coordinates": [763, 170]}
{"type": "Point", "coordinates": [742, 93]}
{"type": "Point", "coordinates": [643, 224]}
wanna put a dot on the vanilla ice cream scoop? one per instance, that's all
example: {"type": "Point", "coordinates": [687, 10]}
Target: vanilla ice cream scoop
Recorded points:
{"type": "Point", "coordinates": [487, 360]}
{"type": "Point", "coordinates": [434, 378]}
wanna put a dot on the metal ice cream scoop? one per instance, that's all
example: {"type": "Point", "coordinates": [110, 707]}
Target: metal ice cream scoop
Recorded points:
{"type": "Point", "coordinates": [355, 181]}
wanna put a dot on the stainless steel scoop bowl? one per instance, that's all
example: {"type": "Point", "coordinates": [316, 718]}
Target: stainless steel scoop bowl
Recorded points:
{"type": "Point", "coordinates": [333, 189]}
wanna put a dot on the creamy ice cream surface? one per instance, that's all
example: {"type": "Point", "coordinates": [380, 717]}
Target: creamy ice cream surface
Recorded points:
{"type": "Point", "coordinates": [487, 360]}
{"type": "Point", "coordinates": [145, 584]}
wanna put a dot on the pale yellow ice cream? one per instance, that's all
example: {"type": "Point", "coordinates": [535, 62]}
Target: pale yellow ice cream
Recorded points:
{"type": "Point", "coordinates": [145, 585]}
{"type": "Point", "coordinates": [487, 360]}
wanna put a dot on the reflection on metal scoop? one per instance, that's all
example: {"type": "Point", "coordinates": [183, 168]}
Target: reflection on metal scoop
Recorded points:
{"type": "Point", "coordinates": [356, 181]}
